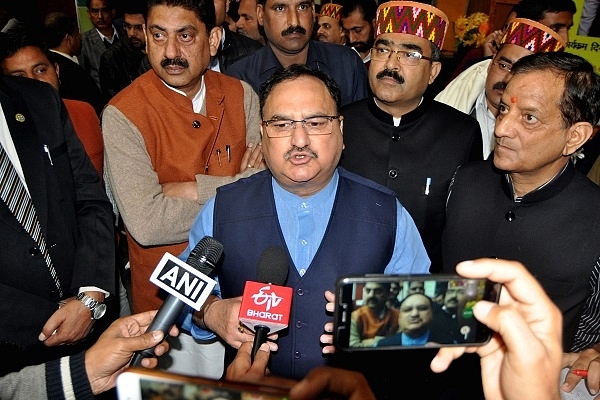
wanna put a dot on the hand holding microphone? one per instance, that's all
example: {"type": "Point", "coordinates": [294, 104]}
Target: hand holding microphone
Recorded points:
{"type": "Point", "coordinates": [187, 283]}
{"type": "Point", "coordinates": [266, 305]}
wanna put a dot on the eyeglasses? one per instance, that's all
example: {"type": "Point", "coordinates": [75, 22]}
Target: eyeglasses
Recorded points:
{"type": "Point", "coordinates": [321, 125]}
{"type": "Point", "coordinates": [404, 57]}
{"type": "Point", "coordinates": [502, 66]}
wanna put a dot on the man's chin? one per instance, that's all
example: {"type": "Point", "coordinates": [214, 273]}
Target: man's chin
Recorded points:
{"type": "Point", "coordinates": [361, 47]}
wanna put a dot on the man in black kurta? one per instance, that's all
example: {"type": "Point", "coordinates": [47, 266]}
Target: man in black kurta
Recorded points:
{"type": "Point", "coordinates": [529, 203]}
{"type": "Point", "coordinates": [401, 140]}
{"type": "Point", "coordinates": [413, 146]}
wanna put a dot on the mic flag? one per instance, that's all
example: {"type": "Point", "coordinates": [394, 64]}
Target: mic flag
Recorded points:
{"type": "Point", "coordinates": [189, 281]}
{"type": "Point", "coordinates": [186, 283]}
{"type": "Point", "coordinates": [266, 305]}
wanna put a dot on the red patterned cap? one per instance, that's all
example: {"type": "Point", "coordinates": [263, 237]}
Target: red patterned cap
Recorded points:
{"type": "Point", "coordinates": [331, 10]}
{"type": "Point", "coordinates": [413, 18]}
{"type": "Point", "coordinates": [533, 36]}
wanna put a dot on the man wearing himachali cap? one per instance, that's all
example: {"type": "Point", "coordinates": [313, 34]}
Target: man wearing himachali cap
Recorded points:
{"type": "Point", "coordinates": [477, 90]}
{"type": "Point", "coordinates": [329, 26]}
{"type": "Point", "coordinates": [400, 139]}
{"type": "Point", "coordinates": [529, 203]}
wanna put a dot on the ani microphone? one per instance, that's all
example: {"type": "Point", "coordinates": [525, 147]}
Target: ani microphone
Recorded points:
{"type": "Point", "coordinates": [266, 304]}
{"type": "Point", "coordinates": [187, 283]}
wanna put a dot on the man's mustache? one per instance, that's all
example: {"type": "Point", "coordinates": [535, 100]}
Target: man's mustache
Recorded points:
{"type": "Point", "coordinates": [392, 74]}
{"type": "Point", "coordinates": [306, 149]}
{"type": "Point", "coordinates": [499, 86]}
{"type": "Point", "coordinates": [293, 29]}
{"type": "Point", "coordinates": [180, 62]}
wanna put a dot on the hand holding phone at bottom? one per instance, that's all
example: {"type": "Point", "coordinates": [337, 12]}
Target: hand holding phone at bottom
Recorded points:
{"type": "Point", "coordinates": [349, 384]}
{"type": "Point", "coordinates": [524, 356]}
{"type": "Point", "coordinates": [113, 350]}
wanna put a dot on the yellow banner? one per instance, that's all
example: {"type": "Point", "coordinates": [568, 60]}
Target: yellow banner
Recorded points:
{"type": "Point", "coordinates": [584, 35]}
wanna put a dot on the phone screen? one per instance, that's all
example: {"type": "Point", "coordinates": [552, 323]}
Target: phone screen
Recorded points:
{"type": "Point", "coordinates": [151, 390]}
{"type": "Point", "coordinates": [382, 312]}
{"type": "Point", "coordinates": [140, 384]}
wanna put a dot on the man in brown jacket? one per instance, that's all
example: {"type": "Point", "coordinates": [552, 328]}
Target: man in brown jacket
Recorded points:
{"type": "Point", "coordinates": [172, 137]}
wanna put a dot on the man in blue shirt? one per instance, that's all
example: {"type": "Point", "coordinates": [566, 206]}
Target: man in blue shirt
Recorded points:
{"type": "Point", "coordinates": [288, 26]}
{"type": "Point", "coordinates": [330, 222]}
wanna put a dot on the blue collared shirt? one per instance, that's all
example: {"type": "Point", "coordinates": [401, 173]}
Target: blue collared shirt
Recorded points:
{"type": "Point", "coordinates": [306, 220]}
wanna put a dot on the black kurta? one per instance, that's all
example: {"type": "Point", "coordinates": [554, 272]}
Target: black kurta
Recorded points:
{"type": "Point", "coordinates": [428, 145]}
{"type": "Point", "coordinates": [554, 231]}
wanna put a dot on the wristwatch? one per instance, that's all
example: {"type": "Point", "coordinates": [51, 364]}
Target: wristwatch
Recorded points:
{"type": "Point", "coordinates": [97, 308]}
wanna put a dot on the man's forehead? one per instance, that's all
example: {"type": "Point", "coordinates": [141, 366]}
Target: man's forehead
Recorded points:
{"type": "Point", "coordinates": [401, 40]}
{"type": "Point", "coordinates": [373, 285]}
{"type": "Point", "coordinates": [511, 53]}
{"type": "Point", "coordinates": [538, 88]}
{"type": "Point", "coordinates": [274, 3]}
{"type": "Point", "coordinates": [98, 3]}
{"type": "Point", "coordinates": [182, 21]}
{"type": "Point", "coordinates": [416, 299]}
{"type": "Point", "coordinates": [356, 14]}
{"type": "Point", "coordinates": [323, 19]}
{"type": "Point", "coordinates": [27, 57]}
{"type": "Point", "coordinates": [557, 19]}
{"type": "Point", "coordinates": [133, 17]}
{"type": "Point", "coordinates": [247, 3]}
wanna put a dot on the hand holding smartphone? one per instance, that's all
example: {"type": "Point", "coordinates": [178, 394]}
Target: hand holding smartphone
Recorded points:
{"type": "Point", "coordinates": [391, 312]}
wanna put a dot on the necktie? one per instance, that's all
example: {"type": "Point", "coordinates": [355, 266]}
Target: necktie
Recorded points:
{"type": "Point", "coordinates": [15, 196]}
{"type": "Point", "coordinates": [106, 43]}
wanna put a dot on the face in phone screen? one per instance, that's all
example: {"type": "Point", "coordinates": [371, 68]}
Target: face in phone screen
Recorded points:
{"type": "Point", "coordinates": [415, 313]}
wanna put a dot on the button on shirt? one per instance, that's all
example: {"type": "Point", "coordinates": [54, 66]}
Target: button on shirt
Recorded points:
{"type": "Point", "coordinates": [306, 221]}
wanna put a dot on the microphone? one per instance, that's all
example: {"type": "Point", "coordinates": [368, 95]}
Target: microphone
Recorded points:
{"type": "Point", "coordinates": [186, 283]}
{"type": "Point", "coordinates": [266, 304]}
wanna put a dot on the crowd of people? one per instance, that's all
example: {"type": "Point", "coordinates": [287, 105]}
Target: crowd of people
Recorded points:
{"type": "Point", "coordinates": [310, 127]}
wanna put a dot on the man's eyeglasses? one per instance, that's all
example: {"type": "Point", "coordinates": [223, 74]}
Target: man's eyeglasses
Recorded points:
{"type": "Point", "coordinates": [404, 57]}
{"type": "Point", "coordinates": [502, 66]}
{"type": "Point", "coordinates": [321, 125]}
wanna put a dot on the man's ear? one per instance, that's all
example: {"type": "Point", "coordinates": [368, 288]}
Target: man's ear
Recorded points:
{"type": "Point", "coordinates": [579, 133]}
{"type": "Point", "coordinates": [434, 71]}
{"type": "Point", "coordinates": [259, 14]}
{"type": "Point", "coordinates": [214, 40]}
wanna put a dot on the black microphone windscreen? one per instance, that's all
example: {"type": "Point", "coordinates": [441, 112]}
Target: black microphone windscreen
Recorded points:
{"type": "Point", "coordinates": [273, 266]}
{"type": "Point", "coordinates": [205, 255]}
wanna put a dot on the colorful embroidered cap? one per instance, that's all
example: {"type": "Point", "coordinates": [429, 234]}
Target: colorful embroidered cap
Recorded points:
{"type": "Point", "coordinates": [331, 10]}
{"type": "Point", "coordinates": [413, 18]}
{"type": "Point", "coordinates": [533, 36]}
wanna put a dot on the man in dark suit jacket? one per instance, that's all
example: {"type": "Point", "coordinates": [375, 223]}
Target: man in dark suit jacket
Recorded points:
{"type": "Point", "coordinates": [102, 36]}
{"type": "Point", "coordinates": [39, 316]}
{"type": "Point", "coordinates": [234, 46]}
{"type": "Point", "coordinates": [120, 64]}
{"type": "Point", "coordinates": [64, 40]}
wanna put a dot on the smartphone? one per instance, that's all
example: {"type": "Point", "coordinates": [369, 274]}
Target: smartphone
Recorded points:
{"type": "Point", "coordinates": [391, 312]}
{"type": "Point", "coordinates": [145, 384]}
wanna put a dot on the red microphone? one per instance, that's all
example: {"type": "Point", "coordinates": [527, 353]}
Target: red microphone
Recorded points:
{"type": "Point", "coordinates": [266, 304]}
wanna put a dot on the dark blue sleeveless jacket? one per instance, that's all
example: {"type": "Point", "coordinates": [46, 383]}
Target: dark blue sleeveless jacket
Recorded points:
{"type": "Point", "coordinates": [359, 239]}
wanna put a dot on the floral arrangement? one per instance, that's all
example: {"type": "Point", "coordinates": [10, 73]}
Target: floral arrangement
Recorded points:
{"type": "Point", "coordinates": [471, 30]}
